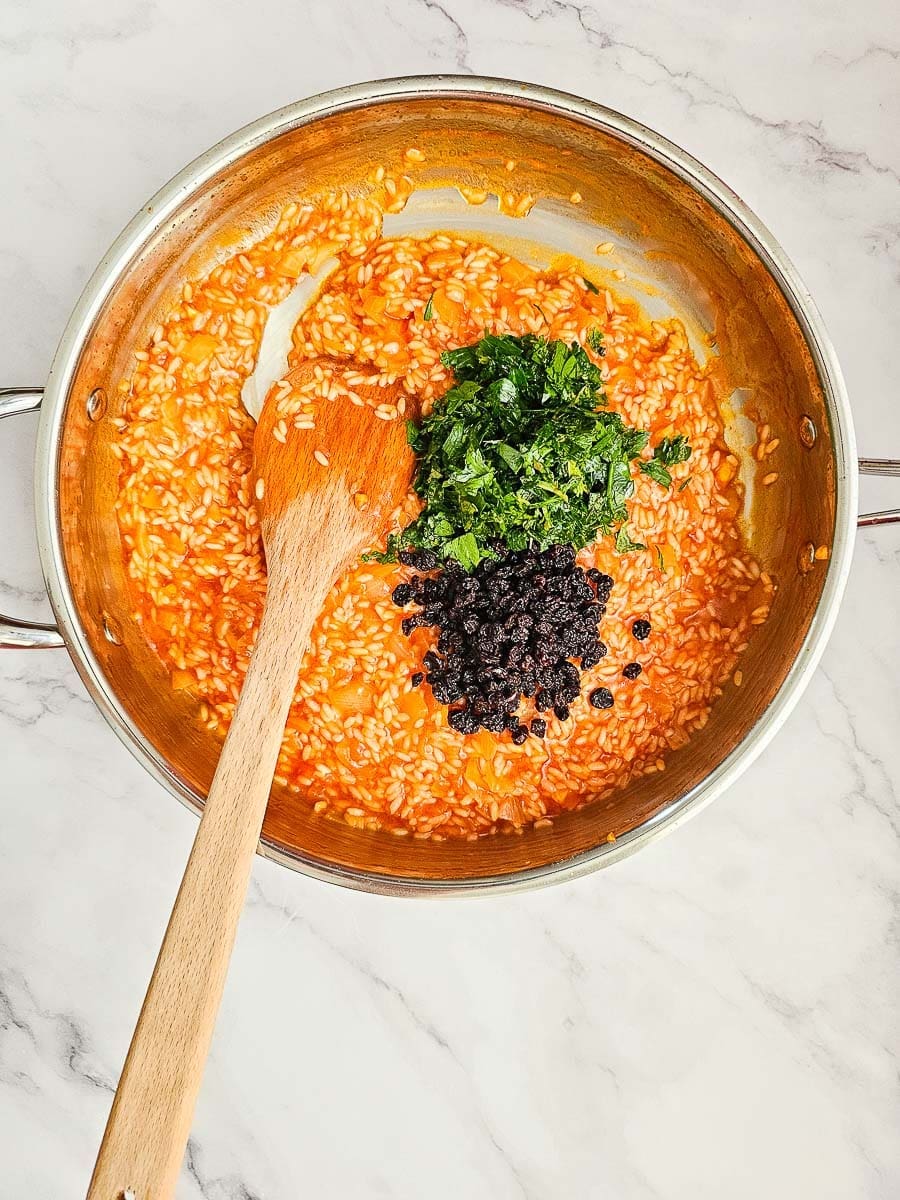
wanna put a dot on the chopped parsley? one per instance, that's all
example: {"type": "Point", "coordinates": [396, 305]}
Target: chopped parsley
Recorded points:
{"type": "Point", "coordinates": [673, 450]}
{"type": "Point", "coordinates": [657, 472]}
{"type": "Point", "coordinates": [429, 308]}
{"type": "Point", "coordinates": [669, 452]}
{"type": "Point", "coordinates": [521, 452]}
{"type": "Point", "coordinates": [624, 544]}
{"type": "Point", "coordinates": [591, 287]}
{"type": "Point", "coordinates": [595, 341]}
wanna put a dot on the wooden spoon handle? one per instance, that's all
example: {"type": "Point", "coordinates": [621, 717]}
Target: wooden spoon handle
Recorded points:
{"type": "Point", "coordinates": [150, 1120]}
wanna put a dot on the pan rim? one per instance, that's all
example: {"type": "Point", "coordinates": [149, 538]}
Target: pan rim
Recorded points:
{"type": "Point", "coordinates": [153, 217]}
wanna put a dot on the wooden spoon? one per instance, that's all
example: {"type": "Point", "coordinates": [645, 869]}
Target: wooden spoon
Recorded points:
{"type": "Point", "coordinates": [323, 495]}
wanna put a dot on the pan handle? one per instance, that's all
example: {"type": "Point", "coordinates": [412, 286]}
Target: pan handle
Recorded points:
{"type": "Point", "coordinates": [14, 634]}
{"type": "Point", "coordinates": [879, 466]}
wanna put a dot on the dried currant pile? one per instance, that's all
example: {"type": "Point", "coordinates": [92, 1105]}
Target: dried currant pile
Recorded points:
{"type": "Point", "coordinates": [522, 624]}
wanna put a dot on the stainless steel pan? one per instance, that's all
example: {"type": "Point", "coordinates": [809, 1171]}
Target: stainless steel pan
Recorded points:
{"type": "Point", "coordinates": [689, 239]}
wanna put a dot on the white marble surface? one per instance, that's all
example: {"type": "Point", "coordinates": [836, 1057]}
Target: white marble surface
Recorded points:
{"type": "Point", "coordinates": [716, 1018]}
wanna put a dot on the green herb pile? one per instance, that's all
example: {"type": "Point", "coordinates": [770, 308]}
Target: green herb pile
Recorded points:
{"type": "Point", "coordinates": [520, 452]}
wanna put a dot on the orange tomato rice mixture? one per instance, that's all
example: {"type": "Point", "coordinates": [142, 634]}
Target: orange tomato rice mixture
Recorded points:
{"type": "Point", "coordinates": [361, 744]}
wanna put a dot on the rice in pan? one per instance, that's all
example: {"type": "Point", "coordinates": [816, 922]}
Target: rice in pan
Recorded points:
{"type": "Point", "coordinates": [361, 743]}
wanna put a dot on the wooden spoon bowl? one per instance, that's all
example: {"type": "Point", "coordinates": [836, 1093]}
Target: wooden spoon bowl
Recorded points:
{"type": "Point", "coordinates": [350, 462]}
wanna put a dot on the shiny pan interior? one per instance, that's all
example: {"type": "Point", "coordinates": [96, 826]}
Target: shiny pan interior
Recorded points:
{"type": "Point", "coordinates": [690, 249]}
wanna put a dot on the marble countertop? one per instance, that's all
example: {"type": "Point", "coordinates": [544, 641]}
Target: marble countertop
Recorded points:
{"type": "Point", "coordinates": [714, 1018]}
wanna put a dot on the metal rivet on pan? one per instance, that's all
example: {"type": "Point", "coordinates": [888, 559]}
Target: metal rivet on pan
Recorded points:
{"type": "Point", "coordinates": [96, 404]}
{"type": "Point", "coordinates": [111, 630]}
{"type": "Point", "coordinates": [808, 432]}
{"type": "Point", "coordinates": [806, 559]}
